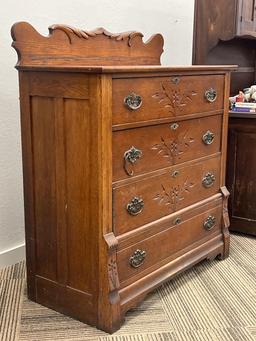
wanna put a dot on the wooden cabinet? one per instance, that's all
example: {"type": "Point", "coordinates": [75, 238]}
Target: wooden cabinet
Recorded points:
{"type": "Point", "coordinates": [124, 168]}
{"type": "Point", "coordinates": [217, 20]}
{"type": "Point", "coordinates": [241, 173]}
{"type": "Point", "coordinates": [224, 33]}
{"type": "Point", "coordinates": [246, 18]}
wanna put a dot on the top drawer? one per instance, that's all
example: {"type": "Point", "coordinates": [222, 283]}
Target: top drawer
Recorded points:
{"type": "Point", "coordinates": [143, 99]}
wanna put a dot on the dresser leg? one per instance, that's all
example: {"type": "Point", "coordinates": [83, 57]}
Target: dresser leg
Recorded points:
{"type": "Point", "coordinates": [112, 322]}
{"type": "Point", "coordinates": [110, 318]}
{"type": "Point", "coordinates": [111, 327]}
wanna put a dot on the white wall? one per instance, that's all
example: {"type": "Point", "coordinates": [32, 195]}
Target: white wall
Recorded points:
{"type": "Point", "coordinates": [172, 18]}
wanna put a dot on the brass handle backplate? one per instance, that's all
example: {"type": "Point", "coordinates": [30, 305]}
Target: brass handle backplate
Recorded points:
{"type": "Point", "coordinates": [130, 157]}
{"type": "Point", "coordinates": [208, 180]}
{"type": "Point", "coordinates": [135, 206]}
{"type": "Point", "coordinates": [209, 222]}
{"type": "Point", "coordinates": [208, 137]}
{"type": "Point", "coordinates": [133, 101]}
{"type": "Point", "coordinates": [210, 95]}
{"type": "Point", "coordinates": [137, 258]}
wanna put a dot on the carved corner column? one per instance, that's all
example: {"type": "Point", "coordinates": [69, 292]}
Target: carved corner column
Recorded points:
{"type": "Point", "coordinates": [109, 316]}
{"type": "Point", "coordinates": [225, 223]}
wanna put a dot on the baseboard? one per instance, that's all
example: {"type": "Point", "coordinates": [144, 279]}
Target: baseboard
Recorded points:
{"type": "Point", "coordinates": [12, 256]}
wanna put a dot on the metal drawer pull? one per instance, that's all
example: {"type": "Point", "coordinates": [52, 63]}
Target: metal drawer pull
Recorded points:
{"type": "Point", "coordinates": [210, 222]}
{"type": "Point", "coordinates": [135, 206]}
{"type": "Point", "coordinates": [175, 173]}
{"type": "Point", "coordinates": [133, 101]}
{"type": "Point", "coordinates": [210, 95]}
{"type": "Point", "coordinates": [131, 156]}
{"type": "Point", "coordinates": [137, 258]}
{"type": "Point", "coordinates": [177, 221]}
{"type": "Point", "coordinates": [208, 180]}
{"type": "Point", "coordinates": [174, 126]}
{"type": "Point", "coordinates": [208, 137]}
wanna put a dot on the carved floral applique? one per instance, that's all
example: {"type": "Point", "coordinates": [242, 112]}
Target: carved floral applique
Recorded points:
{"type": "Point", "coordinates": [113, 275]}
{"type": "Point", "coordinates": [173, 148]}
{"type": "Point", "coordinates": [171, 197]}
{"type": "Point", "coordinates": [174, 99]}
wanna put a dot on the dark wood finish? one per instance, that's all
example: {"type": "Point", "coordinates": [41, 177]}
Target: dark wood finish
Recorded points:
{"type": "Point", "coordinates": [214, 21]}
{"type": "Point", "coordinates": [218, 40]}
{"type": "Point", "coordinates": [225, 32]}
{"type": "Point", "coordinates": [241, 174]}
{"type": "Point", "coordinates": [246, 21]}
{"type": "Point", "coordinates": [74, 130]}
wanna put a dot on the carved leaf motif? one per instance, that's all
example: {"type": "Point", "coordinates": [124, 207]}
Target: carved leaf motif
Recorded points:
{"type": "Point", "coordinates": [174, 99]}
{"type": "Point", "coordinates": [171, 197]}
{"type": "Point", "coordinates": [172, 149]}
{"type": "Point", "coordinates": [69, 30]}
{"type": "Point", "coordinates": [112, 244]}
{"type": "Point", "coordinates": [113, 275]}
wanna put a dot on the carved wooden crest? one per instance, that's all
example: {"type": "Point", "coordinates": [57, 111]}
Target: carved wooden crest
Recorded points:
{"type": "Point", "coordinates": [68, 46]}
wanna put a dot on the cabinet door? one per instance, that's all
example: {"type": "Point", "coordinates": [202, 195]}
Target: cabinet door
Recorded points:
{"type": "Point", "coordinates": [246, 17]}
{"type": "Point", "coordinates": [241, 175]}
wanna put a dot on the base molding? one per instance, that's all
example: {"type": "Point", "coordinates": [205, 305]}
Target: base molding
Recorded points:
{"type": "Point", "coordinates": [134, 293]}
{"type": "Point", "coordinates": [12, 256]}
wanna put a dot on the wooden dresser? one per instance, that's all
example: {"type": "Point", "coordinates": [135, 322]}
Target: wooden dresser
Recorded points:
{"type": "Point", "coordinates": [124, 168]}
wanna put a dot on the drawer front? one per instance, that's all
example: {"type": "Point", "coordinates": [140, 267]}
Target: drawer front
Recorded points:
{"type": "Point", "coordinates": [144, 201]}
{"type": "Point", "coordinates": [143, 99]}
{"type": "Point", "coordinates": [137, 258]}
{"type": "Point", "coordinates": [140, 150]}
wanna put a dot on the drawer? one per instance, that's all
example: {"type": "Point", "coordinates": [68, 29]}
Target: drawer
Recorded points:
{"type": "Point", "coordinates": [141, 202]}
{"type": "Point", "coordinates": [170, 243]}
{"type": "Point", "coordinates": [140, 150]}
{"type": "Point", "coordinates": [142, 99]}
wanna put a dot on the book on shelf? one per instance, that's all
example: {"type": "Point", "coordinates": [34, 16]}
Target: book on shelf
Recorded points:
{"type": "Point", "coordinates": [243, 109]}
{"type": "Point", "coordinates": [245, 104]}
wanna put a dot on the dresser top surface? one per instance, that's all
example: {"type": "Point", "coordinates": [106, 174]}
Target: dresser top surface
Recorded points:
{"type": "Point", "coordinates": [130, 69]}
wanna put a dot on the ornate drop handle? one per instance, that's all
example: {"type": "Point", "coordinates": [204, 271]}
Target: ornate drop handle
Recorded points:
{"type": "Point", "coordinates": [208, 180]}
{"type": "Point", "coordinates": [133, 101]}
{"type": "Point", "coordinates": [209, 222]}
{"type": "Point", "coordinates": [131, 156]}
{"type": "Point", "coordinates": [135, 206]}
{"type": "Point", "coordinates": [137, 258]}
{"type": "Point", "coordinates": [210, 95]}
{"type": "Point", "coordinates": [208, 137]}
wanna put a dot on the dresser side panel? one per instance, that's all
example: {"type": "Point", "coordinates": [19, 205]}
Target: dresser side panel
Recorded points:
{"type": "Point", "coordinates": [28, 191]}
{"type": "Point", "coordinates": [43, 135]}
{"type": "Point", "coordinates": [61, 233]}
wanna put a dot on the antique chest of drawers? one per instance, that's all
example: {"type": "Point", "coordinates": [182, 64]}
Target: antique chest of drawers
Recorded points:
{"type": "Point", "coordinates": [124, 164]}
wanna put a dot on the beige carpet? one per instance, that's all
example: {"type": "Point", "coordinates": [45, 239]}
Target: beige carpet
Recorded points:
{"type": "Point", "coordinates": [212, 301]}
